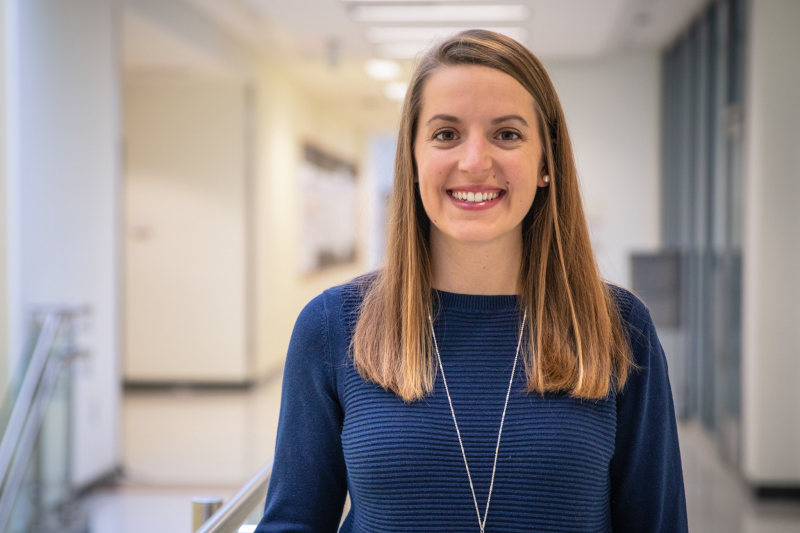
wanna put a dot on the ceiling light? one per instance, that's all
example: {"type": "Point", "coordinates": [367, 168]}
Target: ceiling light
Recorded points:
{"type": "Point", "coordinates": [395, 91]}
{"type": "Point", "coordinates": [383, 69]}
{"type": "Point", "coordinates": [378, 35]}
{"type": "Point", "coordinates": [410, 50]}
{"type": "Point", "coordinates": [439, 13]}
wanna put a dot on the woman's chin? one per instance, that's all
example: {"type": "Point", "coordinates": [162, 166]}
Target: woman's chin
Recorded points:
{"type": "Point", "coordinates": [474, 236]}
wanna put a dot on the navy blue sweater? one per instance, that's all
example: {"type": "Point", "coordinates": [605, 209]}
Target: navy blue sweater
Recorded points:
{"type": "Point", "coordinates": [564, 464]}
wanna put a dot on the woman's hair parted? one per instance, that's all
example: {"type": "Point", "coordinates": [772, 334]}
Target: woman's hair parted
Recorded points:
{"type": "Point", "coordinates": [577, 343]}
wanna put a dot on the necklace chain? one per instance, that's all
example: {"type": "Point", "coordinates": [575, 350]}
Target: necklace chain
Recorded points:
{"type": "Point", "coordinates": [481, 523]}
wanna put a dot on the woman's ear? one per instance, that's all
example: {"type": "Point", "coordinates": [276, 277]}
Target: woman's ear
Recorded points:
{"type": "Point", "coordinates": [544, 178]}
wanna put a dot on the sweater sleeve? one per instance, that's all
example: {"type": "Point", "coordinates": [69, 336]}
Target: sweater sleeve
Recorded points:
{"type": "Point", "coordinates": [647, 493]}
{"type": "Point", "coordinates": [308, 486]}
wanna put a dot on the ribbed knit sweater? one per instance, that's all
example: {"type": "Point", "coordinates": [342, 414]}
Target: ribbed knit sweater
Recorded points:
{"type": "Point", "coordinates": [564, 464]}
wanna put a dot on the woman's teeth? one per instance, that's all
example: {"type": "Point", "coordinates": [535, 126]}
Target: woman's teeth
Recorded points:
{"type": "Point", "coordinates": [474, 196]}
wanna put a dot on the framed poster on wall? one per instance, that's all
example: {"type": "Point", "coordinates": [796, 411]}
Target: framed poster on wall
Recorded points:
{"type": "Point", "coordinates": [328, 200]}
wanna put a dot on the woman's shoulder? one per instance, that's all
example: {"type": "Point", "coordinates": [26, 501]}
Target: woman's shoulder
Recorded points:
{"type": "Point", "coordinates": [321, 334]}
{"type": "Point", "coordinates": [638, 325]}
{"type": "Point", "coordinates": [633, 312]}
{"type": "Point", "coordinates": [350, 293]}
{"type": "Point", "coordinates": [344, 300]}
{"type": "Point", "coordinates": [648, 356]}
{"type": "Point", "coordinates": [334, 312]}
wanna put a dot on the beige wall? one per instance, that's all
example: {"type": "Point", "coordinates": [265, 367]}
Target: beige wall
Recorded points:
{"type": "Point", "coordinates": [289, 111]}
{"type": "Point", "coordinates": [288, 117]}
{"type": "Point", "coordinates": [185, 231]}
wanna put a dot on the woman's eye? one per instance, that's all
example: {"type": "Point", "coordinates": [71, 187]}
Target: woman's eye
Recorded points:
{"type": "Point", "coordinates": [445, 135]}
{"type": "Point", "coordinates": [509, 135]}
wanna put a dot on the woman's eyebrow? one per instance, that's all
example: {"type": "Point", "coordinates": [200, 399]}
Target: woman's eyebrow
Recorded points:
{"type": "Point", "coordinates": [447, 118]}
{"type": "Point", "coordinates": [505, 118]}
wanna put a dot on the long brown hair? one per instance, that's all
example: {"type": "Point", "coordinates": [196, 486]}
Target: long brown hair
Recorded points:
{"type": "Point", "coordinates": [577, 343]}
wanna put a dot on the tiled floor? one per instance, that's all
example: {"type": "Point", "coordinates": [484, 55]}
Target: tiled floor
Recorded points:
{"type": "Point", "coordinates": [718, 502]}
{"type": "Point", "coordinates": [143, 509]}
{"type": "Point", "coordinates": [183, 444]}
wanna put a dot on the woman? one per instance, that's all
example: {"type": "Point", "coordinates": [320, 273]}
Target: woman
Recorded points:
{"type": "Point", "coordinates": [485, 378]}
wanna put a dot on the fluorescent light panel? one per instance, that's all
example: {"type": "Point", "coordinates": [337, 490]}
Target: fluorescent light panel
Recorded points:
{"type": "Point", "coordinates": [395, 91]}
{"type": "Point", "coordinates": [401, 50]}
{"type": "Point", "coordinates": [406, 34]}
{"type": "Point", "coordinates": [439, 13]}
{"type": "Point", "coordinates": [383, 69]}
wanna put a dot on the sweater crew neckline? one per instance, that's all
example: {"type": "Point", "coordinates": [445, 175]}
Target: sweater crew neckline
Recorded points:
{"type": "Point", "coordinates": [475, 302]}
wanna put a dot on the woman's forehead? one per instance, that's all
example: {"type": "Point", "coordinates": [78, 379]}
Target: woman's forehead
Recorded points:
{"type": "Point", "coordinates": [475, 92]}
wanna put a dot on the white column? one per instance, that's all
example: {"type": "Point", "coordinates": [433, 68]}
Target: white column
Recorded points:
{"type": "Point", "coordinates": [66, 152]}
{"type": "Point", "coordinates": [771, 284]}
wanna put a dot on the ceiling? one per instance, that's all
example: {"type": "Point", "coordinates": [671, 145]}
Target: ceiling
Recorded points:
{"type": "Point", "coordinates": [324, 46]}
{"type": "Point", "coordinates": [152, 50]}
{"type": "Point", "coordinates": [555, 30]}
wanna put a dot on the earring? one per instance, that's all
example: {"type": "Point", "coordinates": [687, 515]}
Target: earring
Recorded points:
{"type": "Point", "coordinates": [546, 178]}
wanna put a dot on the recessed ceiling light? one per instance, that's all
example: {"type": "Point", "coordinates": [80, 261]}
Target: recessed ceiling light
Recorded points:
{"type": "Point", "coordinates": [383, 69]}
{"type": "Point", "coordinates": [439, 13]}
{"type": "Point", "coordinates": [378, 35]}
{"type": "Point", "coordinates": [395, 91]}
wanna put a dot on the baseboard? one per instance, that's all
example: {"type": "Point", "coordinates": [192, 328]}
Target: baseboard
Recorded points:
{"type": "Point", "coordinates": [140, 385]}
{"type": "Point", "coordinates": [767, 492]}
{"type": "Point", "coordinates": [168, 386]}
{"type": "Point", "coordinates": [109, 479]}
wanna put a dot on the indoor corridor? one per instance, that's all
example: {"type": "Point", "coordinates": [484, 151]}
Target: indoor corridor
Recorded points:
{"type": "Point", "coordinates": [180, 178]}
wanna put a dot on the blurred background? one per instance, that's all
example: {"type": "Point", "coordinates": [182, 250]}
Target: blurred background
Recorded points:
{"type": "Point", "coordinates": [178, 178]}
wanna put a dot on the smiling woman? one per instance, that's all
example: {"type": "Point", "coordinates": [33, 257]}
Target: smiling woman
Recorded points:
{"type": "Point", "coordinates": [486, 361]}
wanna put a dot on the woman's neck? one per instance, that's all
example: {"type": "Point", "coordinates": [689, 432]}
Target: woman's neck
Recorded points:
{"type": "Point", "coordinates": [487, 268]}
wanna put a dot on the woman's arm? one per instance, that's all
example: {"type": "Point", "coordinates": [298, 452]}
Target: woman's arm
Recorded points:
{"type": "Point", "coordinates": [309, 479]}
{"type": "Point", "coordinates": [647, 494]}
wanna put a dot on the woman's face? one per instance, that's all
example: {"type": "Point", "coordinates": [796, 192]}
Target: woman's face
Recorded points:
{"type": "Point", "coordinates": [478, 153]}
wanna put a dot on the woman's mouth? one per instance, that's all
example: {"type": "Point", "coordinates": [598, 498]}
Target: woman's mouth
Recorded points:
{"type": "Point", "coordinates": [475, 197]}
{"type": "Point", "coordinates": [473, 200]}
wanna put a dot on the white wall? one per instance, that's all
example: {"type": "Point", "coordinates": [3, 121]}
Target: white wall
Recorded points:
{"type": "Point", "coordinates": [612, 109]}
{"type": "Point", "coordinates": [66, 145]}
{"type": "Point", "coordinates": [185, 234]}
{"type": "Point", "coordinates": [6, 195]}
{"type": "Point", "coordinates": [771, 316]}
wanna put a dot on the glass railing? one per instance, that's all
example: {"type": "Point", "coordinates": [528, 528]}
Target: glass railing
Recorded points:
{"type": "Point", "coordinates": [35, 488]}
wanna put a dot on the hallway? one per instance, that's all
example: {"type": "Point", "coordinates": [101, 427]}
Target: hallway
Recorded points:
{"type": "Point", "coordinates": [179, 178]}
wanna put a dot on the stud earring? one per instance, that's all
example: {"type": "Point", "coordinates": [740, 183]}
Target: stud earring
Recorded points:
{"type": "Point", "coordinates": [546, 179]}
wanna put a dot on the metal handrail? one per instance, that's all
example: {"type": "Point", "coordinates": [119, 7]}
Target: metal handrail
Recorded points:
{"type": "Point", "coordinates": [28, 439]}
{"type": "Point", "coordinates": [32, 401]}
{"type": "Point", "coordinates": [26, 392]}
{"type": "Point", "coordinates": [233, 514]}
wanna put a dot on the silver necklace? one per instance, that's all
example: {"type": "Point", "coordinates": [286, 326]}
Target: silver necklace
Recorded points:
{"type": "Point", "coordinates": [481, 523]}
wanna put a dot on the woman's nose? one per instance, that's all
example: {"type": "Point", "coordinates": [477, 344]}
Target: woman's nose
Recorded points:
{"type": "Point", "coordinates": [476, 157]}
